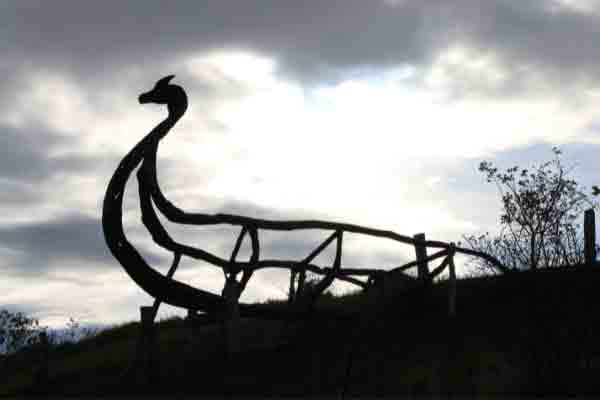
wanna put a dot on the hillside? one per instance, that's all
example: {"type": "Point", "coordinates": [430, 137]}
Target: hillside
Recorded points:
{"type": "Point", "coordinates": [527, 333]}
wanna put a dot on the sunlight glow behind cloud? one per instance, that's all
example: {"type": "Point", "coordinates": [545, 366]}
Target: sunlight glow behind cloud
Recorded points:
{"type": "Point", "coordinates": [350, 142]}
{"type": "Point", "coordinates": [579, 6]}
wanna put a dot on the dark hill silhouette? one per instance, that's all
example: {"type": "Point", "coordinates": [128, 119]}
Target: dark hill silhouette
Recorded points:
{"type": "Point", "coordinates": [523, 333]}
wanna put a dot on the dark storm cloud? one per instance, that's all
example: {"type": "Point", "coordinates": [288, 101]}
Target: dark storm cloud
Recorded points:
{"type": "Point", "coordinates": [313, 40]}
{"type": "Point", "coordinates": [25, 154]}
{"type": "Point", "coordinates": [42, 244]}
{"type": "Point", "coordinates": [533, 40]}
{"type": "Point", "coordinates": [39, 247]}
{"type": "Point", "coordinates": [76, 34]}
{"type": "Point", "coordinates": [27, 163]}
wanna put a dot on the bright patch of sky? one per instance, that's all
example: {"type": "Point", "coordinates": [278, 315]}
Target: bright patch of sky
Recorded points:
{"type": "Point", "coordinates": [579, 6]}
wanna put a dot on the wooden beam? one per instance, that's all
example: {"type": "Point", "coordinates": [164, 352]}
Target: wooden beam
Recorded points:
{"type": "Point", "coordinates": [492, 260]}
{"type": "Point", "coordinates": [238, 244]}
{"type": "Point", "coordinates": [439, 269]}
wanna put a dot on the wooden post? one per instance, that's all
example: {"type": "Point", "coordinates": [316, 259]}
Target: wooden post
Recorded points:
{"type": "Point", "coordinates": [451, 283]}
{"type": "Point", "coordinates": [41, 374]}
{"type": "Point", "coordinates": [301, 283]}
{"type": "Point", "coordinates": [231, 317]}
{"type": "Point", "coordinates": [589, 231]}
{"type": "Point", "coordinates": [148, 339]}
{"type": "Point", "coordinates": [292, 292]}
{"type": "Point", "coordinates": [190, 314]}
{"type": "Point", "coordinates": [421, 253]}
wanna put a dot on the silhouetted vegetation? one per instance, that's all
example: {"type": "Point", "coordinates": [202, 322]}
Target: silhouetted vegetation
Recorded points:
{"type": "Point", "coordinates": [541, 207]}
{"type": "Point", "coordinates": [17, 330]}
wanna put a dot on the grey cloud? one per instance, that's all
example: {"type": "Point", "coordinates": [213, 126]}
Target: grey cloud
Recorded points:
{"type": "Point", "coordinates": [75, 237]}
{"type": "Point", "coordinates": [557, 48]}
{"type": "Point", "coordinates": [35, 309]}
{"type": "Point", "coordinates": [17, 194]}
{"type": "Point", "coordinates": [27, 164]}
{"type": "Point", "coordinates": [312, 40]}
{"type": "Point", "coordinates": [45, 246]}
{"type": "Point", "coordinates": [25, 154]}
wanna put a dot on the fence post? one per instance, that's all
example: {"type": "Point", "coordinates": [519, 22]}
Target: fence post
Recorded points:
{"type": "Point", "coordinates": [589, 232]}
{"type": "Point", "coordinates": [41, 374]}
{"type": "Point", "coordinates": [190, 314]}
{"type": "Point", "coordinates": [148, 339]}
{"type": "Point", "coordinates": [231, 317]}
{"type": "Point", "coordinates": [421, 253]}
{"type": "Point", "coordinates": [451, 282]}
{"type": "Point", "coordinates": [301, 283]}
{"type": "Point", "coordinates": [292, 292]}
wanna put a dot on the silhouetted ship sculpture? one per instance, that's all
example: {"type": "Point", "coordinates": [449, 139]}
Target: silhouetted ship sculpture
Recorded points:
{"type": "Point", "coordinates": [171, 291]}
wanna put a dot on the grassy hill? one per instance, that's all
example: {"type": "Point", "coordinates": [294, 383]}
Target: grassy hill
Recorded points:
{"type": "Point", "coordinates": [526, 333]}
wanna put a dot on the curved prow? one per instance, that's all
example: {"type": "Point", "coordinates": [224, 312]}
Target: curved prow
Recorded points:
{"type": "Point", "coordinates": [157, 285]}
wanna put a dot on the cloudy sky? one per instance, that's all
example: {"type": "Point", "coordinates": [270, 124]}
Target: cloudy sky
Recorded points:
{"type": "Point", "coordinates": [371, 112]}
